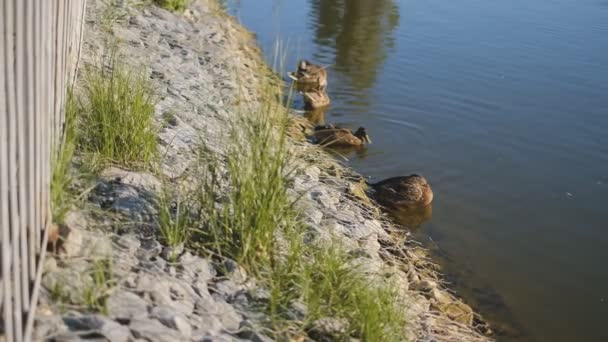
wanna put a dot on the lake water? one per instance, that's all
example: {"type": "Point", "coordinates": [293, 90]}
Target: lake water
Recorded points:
{"type": "Point", "coordinates": [503, 106]}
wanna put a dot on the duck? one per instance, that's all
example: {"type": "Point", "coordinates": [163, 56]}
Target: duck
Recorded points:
{"type": "Point", "coordinates": [315, 99]}
{"type": "Point", "coordinates": [310, 74]}
{"type": "Point", "coordinates": [405, 191]}
{"type": "Point", "coordinates": [330, 135]}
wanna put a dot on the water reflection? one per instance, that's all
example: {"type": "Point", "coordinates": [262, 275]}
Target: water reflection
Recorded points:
{"type": "Point", "coordinates": [316, 116]}
{"type": "Point", "coordinates": [359, 31]}
{"type": "Point", "coordinates": [347, 152]}
{"type": "Point", "coordinates": [411, 217]}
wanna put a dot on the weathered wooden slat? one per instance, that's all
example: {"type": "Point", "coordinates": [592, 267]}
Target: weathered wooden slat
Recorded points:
{"type": "Point", "coordinates": [40, 43]}
{"type": "Point", "coordinates": [35, 141]}
{"type": "Point", "coordinates": [30, 146]}
{"type": "Point", "coordinates": [5, 33]}
{"type": "Point", "coordinates": [22, 113]}
{"type": "Point", "coordinates": [16, 164]}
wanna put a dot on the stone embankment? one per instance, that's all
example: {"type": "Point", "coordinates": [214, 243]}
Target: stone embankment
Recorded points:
{"type": "Point", "coordinates": [202, 64]}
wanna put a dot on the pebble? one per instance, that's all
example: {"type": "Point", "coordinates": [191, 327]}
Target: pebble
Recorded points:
{"type": "Point", "coordinates": [123, 305]}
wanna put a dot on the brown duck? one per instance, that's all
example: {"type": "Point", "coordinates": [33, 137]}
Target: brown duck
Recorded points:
{"type": "Point", "coordinates": [310, 74]}
{"type": "Point", "coordinates": [330, 135]}
{"type": "Point", "coordinates": [408, 191]}
{"type": "Point", "coordinates": [315, 99]}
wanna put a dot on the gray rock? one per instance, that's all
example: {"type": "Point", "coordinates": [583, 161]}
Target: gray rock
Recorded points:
{"type": "Point", "coordinates": [130, 243]}
{"type": "Point", "coordinates": [228, 289]}
{"type": "Point", "coordinates": [309, 211]}
{"type": "Point", "coordinates": [47, 326]}
{"type": "Point", "coordinates": [138, 179]}
{"type": "Point", "coordinates": [300, 184]}
{"type": "Point", "coordinates": [84, 243]}
{"type": "Point", "coordinates": [206, 326]}
{"type": "Point", "coordinates": [115, 332]}
{"type": "Point", "coordinates": [124, 305]}
{"type": "Point", "coordinates": [170, 293]}
{"type": "Point", "coordinates": [66, 283]}
{"type": "Point", "coordinates": [149, 249]}
{"type": "Point", "coordinates": [312, 174]}
{"type": "Point", "coordinates": [327, 198]}
{"type": "Point", "coordinates": [359, 231]}
{"type": "Point", "coordinates": [155, 265]}
{"type": "Point", "coordinates": [75, 220]}
{"type": "Point", "coordinates": [346, 215]}
{"type": "Point", "coordinates": [49, 265]}
{"type": "Point", "coordinates": [335, 228]}
{"type": "Point", "coordinates": [154, 331]}
{"type": "Point", "coordinates": [373, 225]}
{"type": "Point", "coordinates": [172, 319]}
{"type": "Point", "coordinates": [424, 285]}
{"type": "Point", "coordinates": [259, 294]}
{"type": "Point", "coordinates": [196, 267]}
{"type": "Point", "coordinates": [315, 216]}
{"type": "Point", "coordinates": [371, 245]}
{"type": "Point", "coordinates": [328, 329]}
{"type": "Point", "coordinates": [220, 338]}
{"type": "Point", "coordinates": [71, 337]}
{"type": "Point", "coordinates": [73, 243]}
{"type": "Point", "coordinates": [235, 271]}
{"type": "Point", "coordinates": [98, 324]}
{"type": "Point", "coordinates": [209, 308]}
{"type": "Point", "coordinates": [129, 202]}
{"type": "Point", "coordinates": [297, 311]}
{"type": "Point", "coordinates": [254, 335]}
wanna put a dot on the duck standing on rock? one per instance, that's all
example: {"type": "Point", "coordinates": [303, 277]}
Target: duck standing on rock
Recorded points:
{"type": "Point", "coordinates": [329, 135]}
{"type": "Point", "coordinates": [399, 192]}
{"type": "Point", "coordinates": [309, 74]}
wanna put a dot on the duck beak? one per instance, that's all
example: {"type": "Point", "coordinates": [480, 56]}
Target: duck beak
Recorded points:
{"type": "Point", "coordinates": [369, 141]}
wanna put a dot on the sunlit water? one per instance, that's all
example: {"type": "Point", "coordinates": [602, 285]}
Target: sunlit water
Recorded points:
{"type": "Point", "coordinates": [503, 106]}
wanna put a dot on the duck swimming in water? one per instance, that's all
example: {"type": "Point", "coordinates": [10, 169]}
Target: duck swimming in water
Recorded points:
{"type": "Point", "coordinates": [309, 74]}
{"type": "Point", "coordinates": [408, 191]}
{"type": "Point", "coordinates": [329, 135]}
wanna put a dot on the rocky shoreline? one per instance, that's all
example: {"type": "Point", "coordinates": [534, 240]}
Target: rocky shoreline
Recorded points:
{"type": "Point", "coordinates": [203, 65]}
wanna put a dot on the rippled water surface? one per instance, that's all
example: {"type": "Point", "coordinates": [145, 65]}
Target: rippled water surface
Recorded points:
{"type": "Point", "coordinates": [503, 106]}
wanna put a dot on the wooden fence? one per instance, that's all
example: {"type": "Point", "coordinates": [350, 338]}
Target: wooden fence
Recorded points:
{"type": "Point", "coordinates": [40, 44]}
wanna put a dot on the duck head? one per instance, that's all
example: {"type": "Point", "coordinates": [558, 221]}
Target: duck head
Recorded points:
{"type": "Point", "coordinates": [303, 65]}
{"type": "Point", "coordinates": [361, 133]}
{"type": "Point", "coordinates": [425, 187]}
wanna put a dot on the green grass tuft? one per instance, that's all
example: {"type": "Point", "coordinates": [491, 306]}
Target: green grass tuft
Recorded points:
{"type": "Point", "coordinates": [242, 227]}
{"type": "Point", "coordinates": [173, 5]}
{"type": "Point", "coordinates": [174, 220]}
{"type": "Point", "coordinates": [62, 197]}
{"type": "Point", "coordinates": [116, 117]}
{"type": "Point", "coordinates": [333, 288]}
{"type": "Point", "coordinates": [97, 292]}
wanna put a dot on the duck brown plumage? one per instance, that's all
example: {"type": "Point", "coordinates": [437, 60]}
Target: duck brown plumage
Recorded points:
{"type": "Point", "coordinates": [310, 75]}
{"type": "Point", "coordinates": [405, 191]}
{"type": "Point", "coordinates": [329, 135]}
